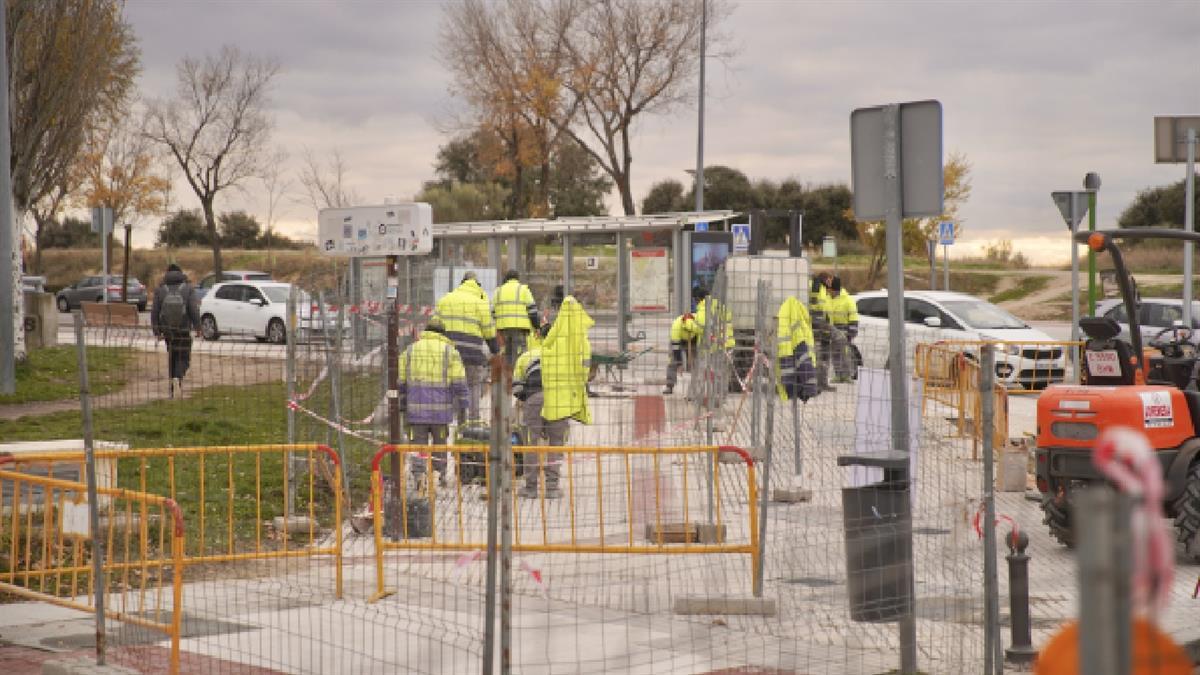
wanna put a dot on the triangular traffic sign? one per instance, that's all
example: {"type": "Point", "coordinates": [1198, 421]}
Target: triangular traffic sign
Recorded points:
{"type": "Point", "coordinates": [1063, 201]}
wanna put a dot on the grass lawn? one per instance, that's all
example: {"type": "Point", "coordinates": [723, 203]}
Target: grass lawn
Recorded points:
{"type": "Point", "coordinates": [52, 374]}
{"type": "Point", "coordinates": [1024, 287]}
{"type": "Point", "coordinates": [220, 415]}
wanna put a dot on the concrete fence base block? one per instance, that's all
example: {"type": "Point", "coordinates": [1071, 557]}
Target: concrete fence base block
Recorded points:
{"type": "Point", "coordinates": [84, 666]}
{"type": "Point", "coordinates": [691, 605]}
{"type": "Point", "coordinates": [792, 495]}
{"type": "Point", "coordinates": [298, 527]}
{"type": "Point", "coordinates": [685, 533]}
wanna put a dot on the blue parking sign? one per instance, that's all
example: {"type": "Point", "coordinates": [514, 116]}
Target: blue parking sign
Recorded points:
{"type": "Point", "coordinates": [946, 232]}
{"type": "Point", "coordinates": [702, 226]}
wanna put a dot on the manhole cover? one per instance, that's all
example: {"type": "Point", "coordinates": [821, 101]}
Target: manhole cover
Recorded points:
{"type": "Point", "coordinates": [811, 582]}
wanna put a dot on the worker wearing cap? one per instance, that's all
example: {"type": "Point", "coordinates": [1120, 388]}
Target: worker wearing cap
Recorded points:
{"type": "Point", "coordinates": [818, 309]}
{"type": "Point", "coordinates": [432, 388]}
{"type": "Point", "coordinates": [467, 316]}
{"type": "Point", "coordinates": [516, 314]}
{"type": "Point", "coordinates": [528, 388]}
{"type": "Point", "coordinates": [843, 316]}
{"type": "Point", "coordinates": [684, 334]}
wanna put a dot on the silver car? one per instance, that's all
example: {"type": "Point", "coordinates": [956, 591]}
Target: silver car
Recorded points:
{"type": "Point", "coordinates": [1155, 315]}
{"type": "Point", "coordinates": [94, 289]}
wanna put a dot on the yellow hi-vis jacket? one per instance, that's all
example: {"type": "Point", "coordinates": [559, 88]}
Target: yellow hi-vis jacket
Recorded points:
{"type": "Point", "coordinates": [432, 381]}
{"type": "Point", "coordinates": [819, 303]}
{"type": "Point", "coordinates": [566, 360]}
{"type": "Point", "coordinates": [512, 304]}
{"type": "Point", "coordinates": [684, 328]}
{"type": "Point", "coordinates": [718, 310]}
{"type": "Point", "coordinates": [842, 310]}
{"type": "Point", "coordinates": [467, 317]}
{"type": "Point", "coordinates": [793, 331]}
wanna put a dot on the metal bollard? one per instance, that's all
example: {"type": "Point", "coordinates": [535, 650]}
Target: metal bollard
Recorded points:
{"type": "Point", "coordinates": [1022, 650]}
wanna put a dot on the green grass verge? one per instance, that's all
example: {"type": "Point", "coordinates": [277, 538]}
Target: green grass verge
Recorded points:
{"type": "Point", "coordinates": [1024, 287]}
{"type": "Point", "coordinates": [52, 374]}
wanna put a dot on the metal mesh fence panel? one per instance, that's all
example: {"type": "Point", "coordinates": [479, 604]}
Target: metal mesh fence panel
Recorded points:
{"type": "Point", "coordinates": [642, 539]}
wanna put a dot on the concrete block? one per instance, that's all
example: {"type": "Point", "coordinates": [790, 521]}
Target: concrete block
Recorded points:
{"type": "Point", "coordinates": [83, 666]}
{"type": "Point", "coordinates": [792, 495]}
{"type": "Point", "coordinates": [691, 533]}
{"type": "Point", "coordinates": [691, 605]}
{"type": "Point", "coordinates": [298, 527]}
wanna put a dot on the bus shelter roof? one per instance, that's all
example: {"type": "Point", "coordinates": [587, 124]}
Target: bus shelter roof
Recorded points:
{"type": "Point", "coordinates": [578, 225]}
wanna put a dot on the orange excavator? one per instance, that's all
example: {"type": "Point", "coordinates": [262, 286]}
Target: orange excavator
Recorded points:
{"type": "Point", "coordinates": [1154, 391]}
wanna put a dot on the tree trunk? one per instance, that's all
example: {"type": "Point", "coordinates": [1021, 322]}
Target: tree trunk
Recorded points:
{"type": "Point", "coordinates": [37, 243]}
{"type": "Point", "coordinates": [214, 238]}
{"type": "Point", "coordinates": [626, 194]}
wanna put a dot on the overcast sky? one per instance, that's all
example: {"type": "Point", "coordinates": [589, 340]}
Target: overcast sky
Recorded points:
{"type": "Point", "coordinates": [1036, 94]}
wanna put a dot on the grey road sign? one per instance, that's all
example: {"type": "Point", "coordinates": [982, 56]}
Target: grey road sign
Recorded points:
{"type": "Point", "coordinates": [920, 150]}
{"type": "Point", "coordinates": [102, 219]}
{"type": "Point", "coordinates": [1170, 138]}
{"type": "Point", "coordinates": [390, 229]}
{"type": "Point", "coordinates": [1072, 213]}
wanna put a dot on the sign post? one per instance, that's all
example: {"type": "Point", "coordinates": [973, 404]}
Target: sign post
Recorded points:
{"type": "Point", "coordinates": [829, 250]}
{"type": "Point", "coordinates": [1175, 141]}
{"type": "Point", "coordinates": [102, 222]}
{"type": "Point", "coordinates": [392, 230]}
{"type": "Point", "coordinates": [896, 170]}
{"type": "Point", "coordinates": [1072, 206]}
{"type": "Point", "coordinates": [946, 239]}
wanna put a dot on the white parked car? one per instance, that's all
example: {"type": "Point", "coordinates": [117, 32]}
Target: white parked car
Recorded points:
{"type": "Point", "coordinates": [258, 309]}
{"type": "Point", "coordinates": [945, 316]}
{"type": "Point", "coordinates": [1156, 316]}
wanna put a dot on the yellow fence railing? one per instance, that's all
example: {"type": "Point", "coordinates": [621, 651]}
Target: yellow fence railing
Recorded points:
{"type": "Point", "coordinates": [950, 377]}
{"type": "Point", "coordinates": [613, 500]}
{"type": "Point", "coordinates": [241, 502]}
{"type": "Point", "coordinates": [46, 547]}
{"type": "Point", "coordinates": [1022, 366]}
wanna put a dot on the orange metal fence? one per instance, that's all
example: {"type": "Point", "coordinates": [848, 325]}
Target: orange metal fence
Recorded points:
{"type": "Point", "coordinates": [46, 551]}
{"type": "Point", "coordinates": [606, 493]}
{"type": "Point", "coordinates": [235, 498]}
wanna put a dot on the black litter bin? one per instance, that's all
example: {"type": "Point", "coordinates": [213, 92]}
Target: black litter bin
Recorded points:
{"type": "Point", "coordinates": [878, 522]}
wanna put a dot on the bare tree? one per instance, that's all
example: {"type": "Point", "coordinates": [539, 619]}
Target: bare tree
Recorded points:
{"type": "Point", "coordinates": [587, 68]}
{"type": "Point", "coordinates": [217, 125]}
{"type": "Point", "coordinates": [324, 183]}
{"type": "Point", "coordinates": [277, 185]}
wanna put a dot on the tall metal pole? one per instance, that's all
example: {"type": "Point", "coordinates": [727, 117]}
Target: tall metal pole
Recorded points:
{"type": "Point", "coordinates": [700, 123]}
{"type": "Point", "coordinates": [945, 268]}
{"type": "Point", "coordinates": [1091, 183]}
{"type": "Point", "coordinates": [89, 449]}
{"type": "Point", "coordinates": [393, 509]}
{"type": "Point", "coordinates": [1074, 291]}
{"type": "Point", "coordinates": [993, 659]}
{"type": "Point", "coordinates": [894, 200]}
{"type": "Point", "coordinates": [1189, 224]}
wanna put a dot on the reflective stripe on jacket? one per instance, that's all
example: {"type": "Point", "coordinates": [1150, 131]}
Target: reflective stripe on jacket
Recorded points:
{"type": "Point", "coordinates": [467, 316]}
{"type": "Point", "coordinates": [566, 360]}
{"type": "Point", "coordinates": [432, 383]}
{"type": "Point", "coordinates": [842, 310]}
{"type": "Point", "coordinates": [511, 304]}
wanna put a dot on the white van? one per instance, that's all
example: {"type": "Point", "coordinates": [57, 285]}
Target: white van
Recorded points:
{"type": "Point", "coordinates": [941, 316]}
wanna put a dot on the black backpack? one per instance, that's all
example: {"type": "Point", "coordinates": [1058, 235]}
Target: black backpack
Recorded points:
{"type": "Point", "coordinates": [173, 314]}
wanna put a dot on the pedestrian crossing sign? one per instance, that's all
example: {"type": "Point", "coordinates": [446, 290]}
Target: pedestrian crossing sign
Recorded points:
{"type": "Point", "coordinates": [946, 232]}
{"type": "Point", "coordinates": [741, 237]}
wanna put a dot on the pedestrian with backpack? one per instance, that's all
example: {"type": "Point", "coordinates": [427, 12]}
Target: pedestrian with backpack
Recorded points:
{"type": "Point", "coordinates": [173, 317]}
